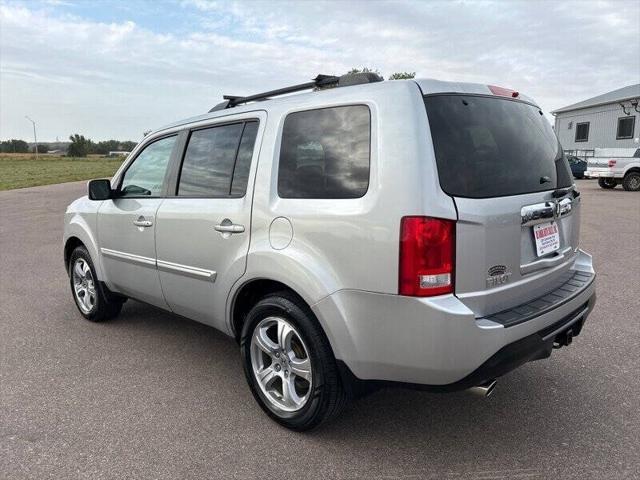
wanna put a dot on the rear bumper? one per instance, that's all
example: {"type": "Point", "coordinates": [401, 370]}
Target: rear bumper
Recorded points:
{"type": "Point", "coordinates": [602, 173]}
{"type": "Point", "coordinates": [437, 342]}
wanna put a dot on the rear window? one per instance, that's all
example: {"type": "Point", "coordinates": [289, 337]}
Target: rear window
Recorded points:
{"type": "Point", "coordinates": [491, 147]}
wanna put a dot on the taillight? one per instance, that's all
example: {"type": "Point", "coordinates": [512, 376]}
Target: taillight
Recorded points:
{"type": "Point", "coordinates": [503, 92]}
{"type": "Point", "coordinates": [427, 250]}
{"type": "Point", "coordinates": [612, 163]}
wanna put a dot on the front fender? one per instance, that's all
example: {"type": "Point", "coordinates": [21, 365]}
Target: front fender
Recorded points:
{"type": "Point", "coordinates": [81, 224]}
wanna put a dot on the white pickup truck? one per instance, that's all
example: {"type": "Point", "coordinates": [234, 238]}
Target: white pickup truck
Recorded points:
{"type": "Point", "coordinates": [612, 166]}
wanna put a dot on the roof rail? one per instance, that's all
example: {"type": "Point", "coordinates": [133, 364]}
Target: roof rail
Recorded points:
{"type": "Point", "coordinates": [320, 82]}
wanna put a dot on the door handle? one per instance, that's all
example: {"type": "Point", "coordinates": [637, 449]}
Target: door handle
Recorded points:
{"type": "Point", "coordinates": [142, 222]}
{"type": "Point", "coordinates": [227, 227]}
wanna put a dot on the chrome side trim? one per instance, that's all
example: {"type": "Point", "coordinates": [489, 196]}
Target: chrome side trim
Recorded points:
{"type": "Point", "coordinates": [187, 271]}
{"type": "Point", "coordinates": [129, 257]}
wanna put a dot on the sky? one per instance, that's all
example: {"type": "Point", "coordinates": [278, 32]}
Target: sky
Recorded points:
{"type": "Point", "coordinates": [115, 69]}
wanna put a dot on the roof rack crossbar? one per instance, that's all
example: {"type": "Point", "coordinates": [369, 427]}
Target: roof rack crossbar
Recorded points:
{"type": "Point", "coordinates": [321, 81]}
{"type": "Point", "coordinates": [233, 100]}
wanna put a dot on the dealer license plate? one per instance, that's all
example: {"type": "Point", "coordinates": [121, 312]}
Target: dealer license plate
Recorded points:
{"type": "Point", "coordinates": [547, 237]}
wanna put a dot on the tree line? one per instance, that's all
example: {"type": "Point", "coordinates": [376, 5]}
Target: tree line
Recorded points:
{"type": "Point", "coordinates": [393, 76]}
{"type": "Point", "coordinates": [79, 146]}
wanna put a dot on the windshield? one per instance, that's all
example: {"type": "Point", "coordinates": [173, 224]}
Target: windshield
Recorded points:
{"type": "Point", "coordinates": [492, 146]}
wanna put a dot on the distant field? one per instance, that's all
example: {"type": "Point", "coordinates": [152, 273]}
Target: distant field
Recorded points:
{"type": "Point", "coordinates": [23, 170]}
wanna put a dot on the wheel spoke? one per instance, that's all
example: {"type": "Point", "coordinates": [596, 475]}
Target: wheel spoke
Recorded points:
{"type": "Point", "coordinates": [289, 395]}
{"type": "Point", "coordinates": [264, 342]}
{"type": "Point", "coordinates": [85, 269]}
{"type": "Point", "coordinates": [77, 269]}
{"type": "Point", "coordinates": [301, 367]}
{"type": "Point", "coordinates": [85, 299]}
{"type": "Point", "coordinates": [266, 376]}
{"type": "Point", "coordinates": [284, 335]}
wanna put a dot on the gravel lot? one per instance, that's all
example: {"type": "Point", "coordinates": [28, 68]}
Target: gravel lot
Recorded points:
{"type": "Point", "coordinates": [151, 395]}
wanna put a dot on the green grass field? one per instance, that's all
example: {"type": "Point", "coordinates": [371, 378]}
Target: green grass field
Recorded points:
{"type": "Point", "coordinates": [19, 171]}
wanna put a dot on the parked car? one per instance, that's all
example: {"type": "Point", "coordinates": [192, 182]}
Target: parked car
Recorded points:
{"type": "Point", "coordinates": [614, 166]}
{"type": "Point", "coordinates": [419, 233]}
{"type": "Point", "coordinates": [578, 166]}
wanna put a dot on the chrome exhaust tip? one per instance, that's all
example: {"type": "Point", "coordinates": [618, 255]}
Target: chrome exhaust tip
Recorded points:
{"type": "Point", "coordinates": [485, 389]}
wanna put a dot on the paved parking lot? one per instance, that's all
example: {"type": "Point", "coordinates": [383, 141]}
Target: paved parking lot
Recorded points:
{"type": "Point", "coordinates": [156, 396]}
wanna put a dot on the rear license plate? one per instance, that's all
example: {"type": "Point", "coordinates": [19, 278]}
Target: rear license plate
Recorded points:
{"type": "Point", "coordinates": [547, 237]}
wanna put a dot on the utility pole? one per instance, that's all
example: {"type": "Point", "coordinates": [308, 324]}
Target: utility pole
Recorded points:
{"type": "Point", "coordinates": [35, 138]}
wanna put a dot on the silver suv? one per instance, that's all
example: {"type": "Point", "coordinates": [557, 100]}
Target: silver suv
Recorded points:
{"type": "Point", "coordinates": [420, 232]}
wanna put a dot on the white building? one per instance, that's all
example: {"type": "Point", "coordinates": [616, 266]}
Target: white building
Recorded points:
{"type": "Point", "coordinates": [610, 120]}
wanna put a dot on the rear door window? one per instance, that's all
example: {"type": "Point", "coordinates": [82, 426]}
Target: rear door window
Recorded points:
{"type": "Point", "coordinates": [490, 147]}
{"type": "Point", "coordinates": [217, 161]}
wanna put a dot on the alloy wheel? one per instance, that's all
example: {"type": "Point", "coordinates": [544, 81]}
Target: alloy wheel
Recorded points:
{"type": "Point", "coordinates": [281, 364]}
{"type": "Point", "coordinates": [84, 287]}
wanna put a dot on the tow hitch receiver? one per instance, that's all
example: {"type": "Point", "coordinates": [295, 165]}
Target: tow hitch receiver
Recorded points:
{"type": "Point", "coordinates": [564, 339]}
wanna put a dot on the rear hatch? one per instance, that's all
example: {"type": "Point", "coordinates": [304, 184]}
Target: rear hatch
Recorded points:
{"type": "Point", "coordinates": [518, 215]}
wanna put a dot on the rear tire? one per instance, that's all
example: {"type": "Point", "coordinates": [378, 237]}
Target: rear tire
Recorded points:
{"type": "Point", "coordinates": [607, 183]}
{"type": "Point", "coordinates": [631, 182]}
{"type": "Point", "coordinates": [289, 364]}
{"type": "Point", "coordinates": [95, 303]}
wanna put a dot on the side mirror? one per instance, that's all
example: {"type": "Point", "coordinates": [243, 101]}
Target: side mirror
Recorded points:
{"type": "Point", "coordinates": [99, 189]}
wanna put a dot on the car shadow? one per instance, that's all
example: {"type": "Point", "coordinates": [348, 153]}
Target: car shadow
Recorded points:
{"type": "Point", "coordinates": [542, 403]}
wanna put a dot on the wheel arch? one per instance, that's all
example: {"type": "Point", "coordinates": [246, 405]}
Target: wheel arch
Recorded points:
{"type": "Point", "coordinates": [70, 245]}
{"type": "Point", "coordinates": [249, 293]}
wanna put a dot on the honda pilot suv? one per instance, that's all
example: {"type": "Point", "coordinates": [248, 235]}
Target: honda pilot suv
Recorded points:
{"type": "Point", "coordinates": [419, 233]}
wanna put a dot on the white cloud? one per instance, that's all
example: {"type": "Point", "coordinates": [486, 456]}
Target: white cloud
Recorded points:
{"type": "Point", "coordinates": [106, 80]}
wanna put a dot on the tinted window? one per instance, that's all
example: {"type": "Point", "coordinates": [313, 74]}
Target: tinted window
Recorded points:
{"type": "Point", "coordinates": [490, 147]}
{"type": "Point", "coordinates": [145, 176]}
{"type": "Point", "coordinates": [208, 162]}
{"type": "Point", "coordinates": [582, 132]}
{"type": "Point", "coordinates": [243, 162]}
{"type": "Point", "coordinates": [325, 153]}
{"type": "Point", "coordinates": [626, 125]}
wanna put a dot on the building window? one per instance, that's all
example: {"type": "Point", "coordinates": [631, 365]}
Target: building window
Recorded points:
{"type": "Point", "coordinates": [582, 132]}
{"type": "Point", "coordinates": [626, 126]}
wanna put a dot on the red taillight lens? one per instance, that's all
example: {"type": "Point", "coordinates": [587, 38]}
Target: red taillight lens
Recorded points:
{"type": "Point", "coordinates": [427, 250]}
{"type": "Point", "coordinates": [503, 92]}
{"type": "Point", "coordinates": [612, 163]}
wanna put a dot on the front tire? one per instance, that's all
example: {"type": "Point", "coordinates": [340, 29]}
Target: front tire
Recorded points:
{"type": "Point", "coordinates": [94, 302]}
{"type": "Point", "coordinates": [631, 182]}
{"type": "Point", "coordinates": [289, 364]}
{"type": "Point", "coordinates": [607, 183]}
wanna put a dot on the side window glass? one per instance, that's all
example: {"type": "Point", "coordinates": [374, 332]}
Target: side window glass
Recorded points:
{"type": "Point", "coordinates": [145, 176]}
{"type": "Point", "coordinates": [208, 163]}
{"type": "Point", "coordinates": [325, 153]}
{"type": "Point", "coordinates": [243, 162]}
